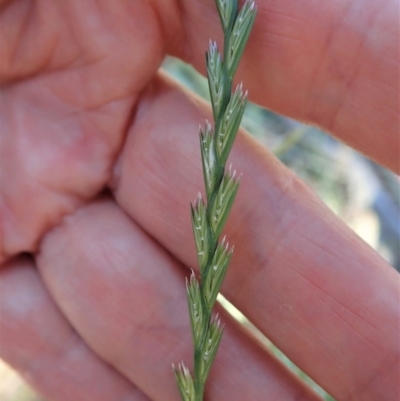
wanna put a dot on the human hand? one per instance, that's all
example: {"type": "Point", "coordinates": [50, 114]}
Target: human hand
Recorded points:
{"type": "Point", "coordinates": [97, 310]}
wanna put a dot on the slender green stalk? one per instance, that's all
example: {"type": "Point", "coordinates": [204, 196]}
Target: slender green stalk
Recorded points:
{"type": "Point", "coordinates": [221, 185]}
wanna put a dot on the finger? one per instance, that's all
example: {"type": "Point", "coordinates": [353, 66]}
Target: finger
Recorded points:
{"type": "Point", "coordinates": [126, 297]}
{"type": "Point", "coordinates": [38, 342]}
{"type": "Point", "coordinates": [334, 64]}
{"type": "Point", "coordinates": [309, 283]}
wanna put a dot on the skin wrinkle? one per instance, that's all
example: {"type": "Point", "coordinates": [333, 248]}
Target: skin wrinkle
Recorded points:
{"type": "Point", "coordinates": [189, 51]}
{"type": "Point", "coordinates": [20, 73]}
{"type": "Point", "coordinates": [390, 111]}
{"type": "Point", "coordinates": [23, 29]}
{"type": "Point", "coordinates": [323, 351]}
{"type": "Point", "coordinates": [354, 76]}
{"type": "Point", "coordinates": [390, 57]}
{"type": "Point", "coordinates": [52, 45]}
{"type": "Point", "coordinates": [338, 302]}
{"type": "Point", "coordinates": [383, 81]}
{"type": "Point", "coordinates": [389, 364]}
{"type": "Point", "coordinates": [272, 11]}
{"type": "Point", "coordinates": [283, 37]}
{"type": "Point", "coordinates": [319, 67]}
{"type": "Point", "coordinates": [309, 341]}
{"type": "Point", "coordinates": [102, 132]}
{"type": "Point", "coordinates": [53, 48]}
{"type": "Point", "coordinates": [262, 312]}
{"type": "Point", "coordinates": [50, 65]}
{"type": "Point", "coordinates": [80, 113]}
{"type": "Point", "coordinates": [333, 310]}
{"type": "Point", "coordinates": [327, 251]}
{"type": "Point", "coordinates": [77, 76]}
{"type": "Point", "coordinates": [328, 344]}
{"type": "Point", "coordinates": [347, 289]}
{"type": "Point", "coordinates": [386, 113]}
{"type": "Point", "coordinates": [378, 126]}
{"type": "Point", "coordinates": [48, 61]}
{"type": "Point", "coordinates": [365, 310]}
{"type": "Point", "coordinates": [285, 221]}
{"type": "Point", "coordinates": [76, 21]}
{"type": "Point", "coordinates": [272, 28]}
{"type": "Point", "coordinates": [172, 22]}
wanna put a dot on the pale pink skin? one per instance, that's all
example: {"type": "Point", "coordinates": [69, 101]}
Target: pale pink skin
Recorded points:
{"type": "Point", "coordinates": [95, 309]}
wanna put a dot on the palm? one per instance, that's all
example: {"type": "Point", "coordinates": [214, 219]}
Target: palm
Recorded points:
{"type": "Point", "coordinates": [83, 71]}
{"type": "Point", "coordinates": [84, 110]}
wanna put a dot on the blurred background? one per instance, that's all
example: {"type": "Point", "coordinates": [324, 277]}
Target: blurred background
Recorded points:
{"type": "Point", "coordinates": [363, 194]}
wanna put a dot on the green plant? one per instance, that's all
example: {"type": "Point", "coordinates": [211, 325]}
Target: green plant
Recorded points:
{"type": "Point", "coordinates": [208, 219]}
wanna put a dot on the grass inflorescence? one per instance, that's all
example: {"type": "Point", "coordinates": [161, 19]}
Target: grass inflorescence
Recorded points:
{"type": "Point", "coordinates": [221, 185]}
